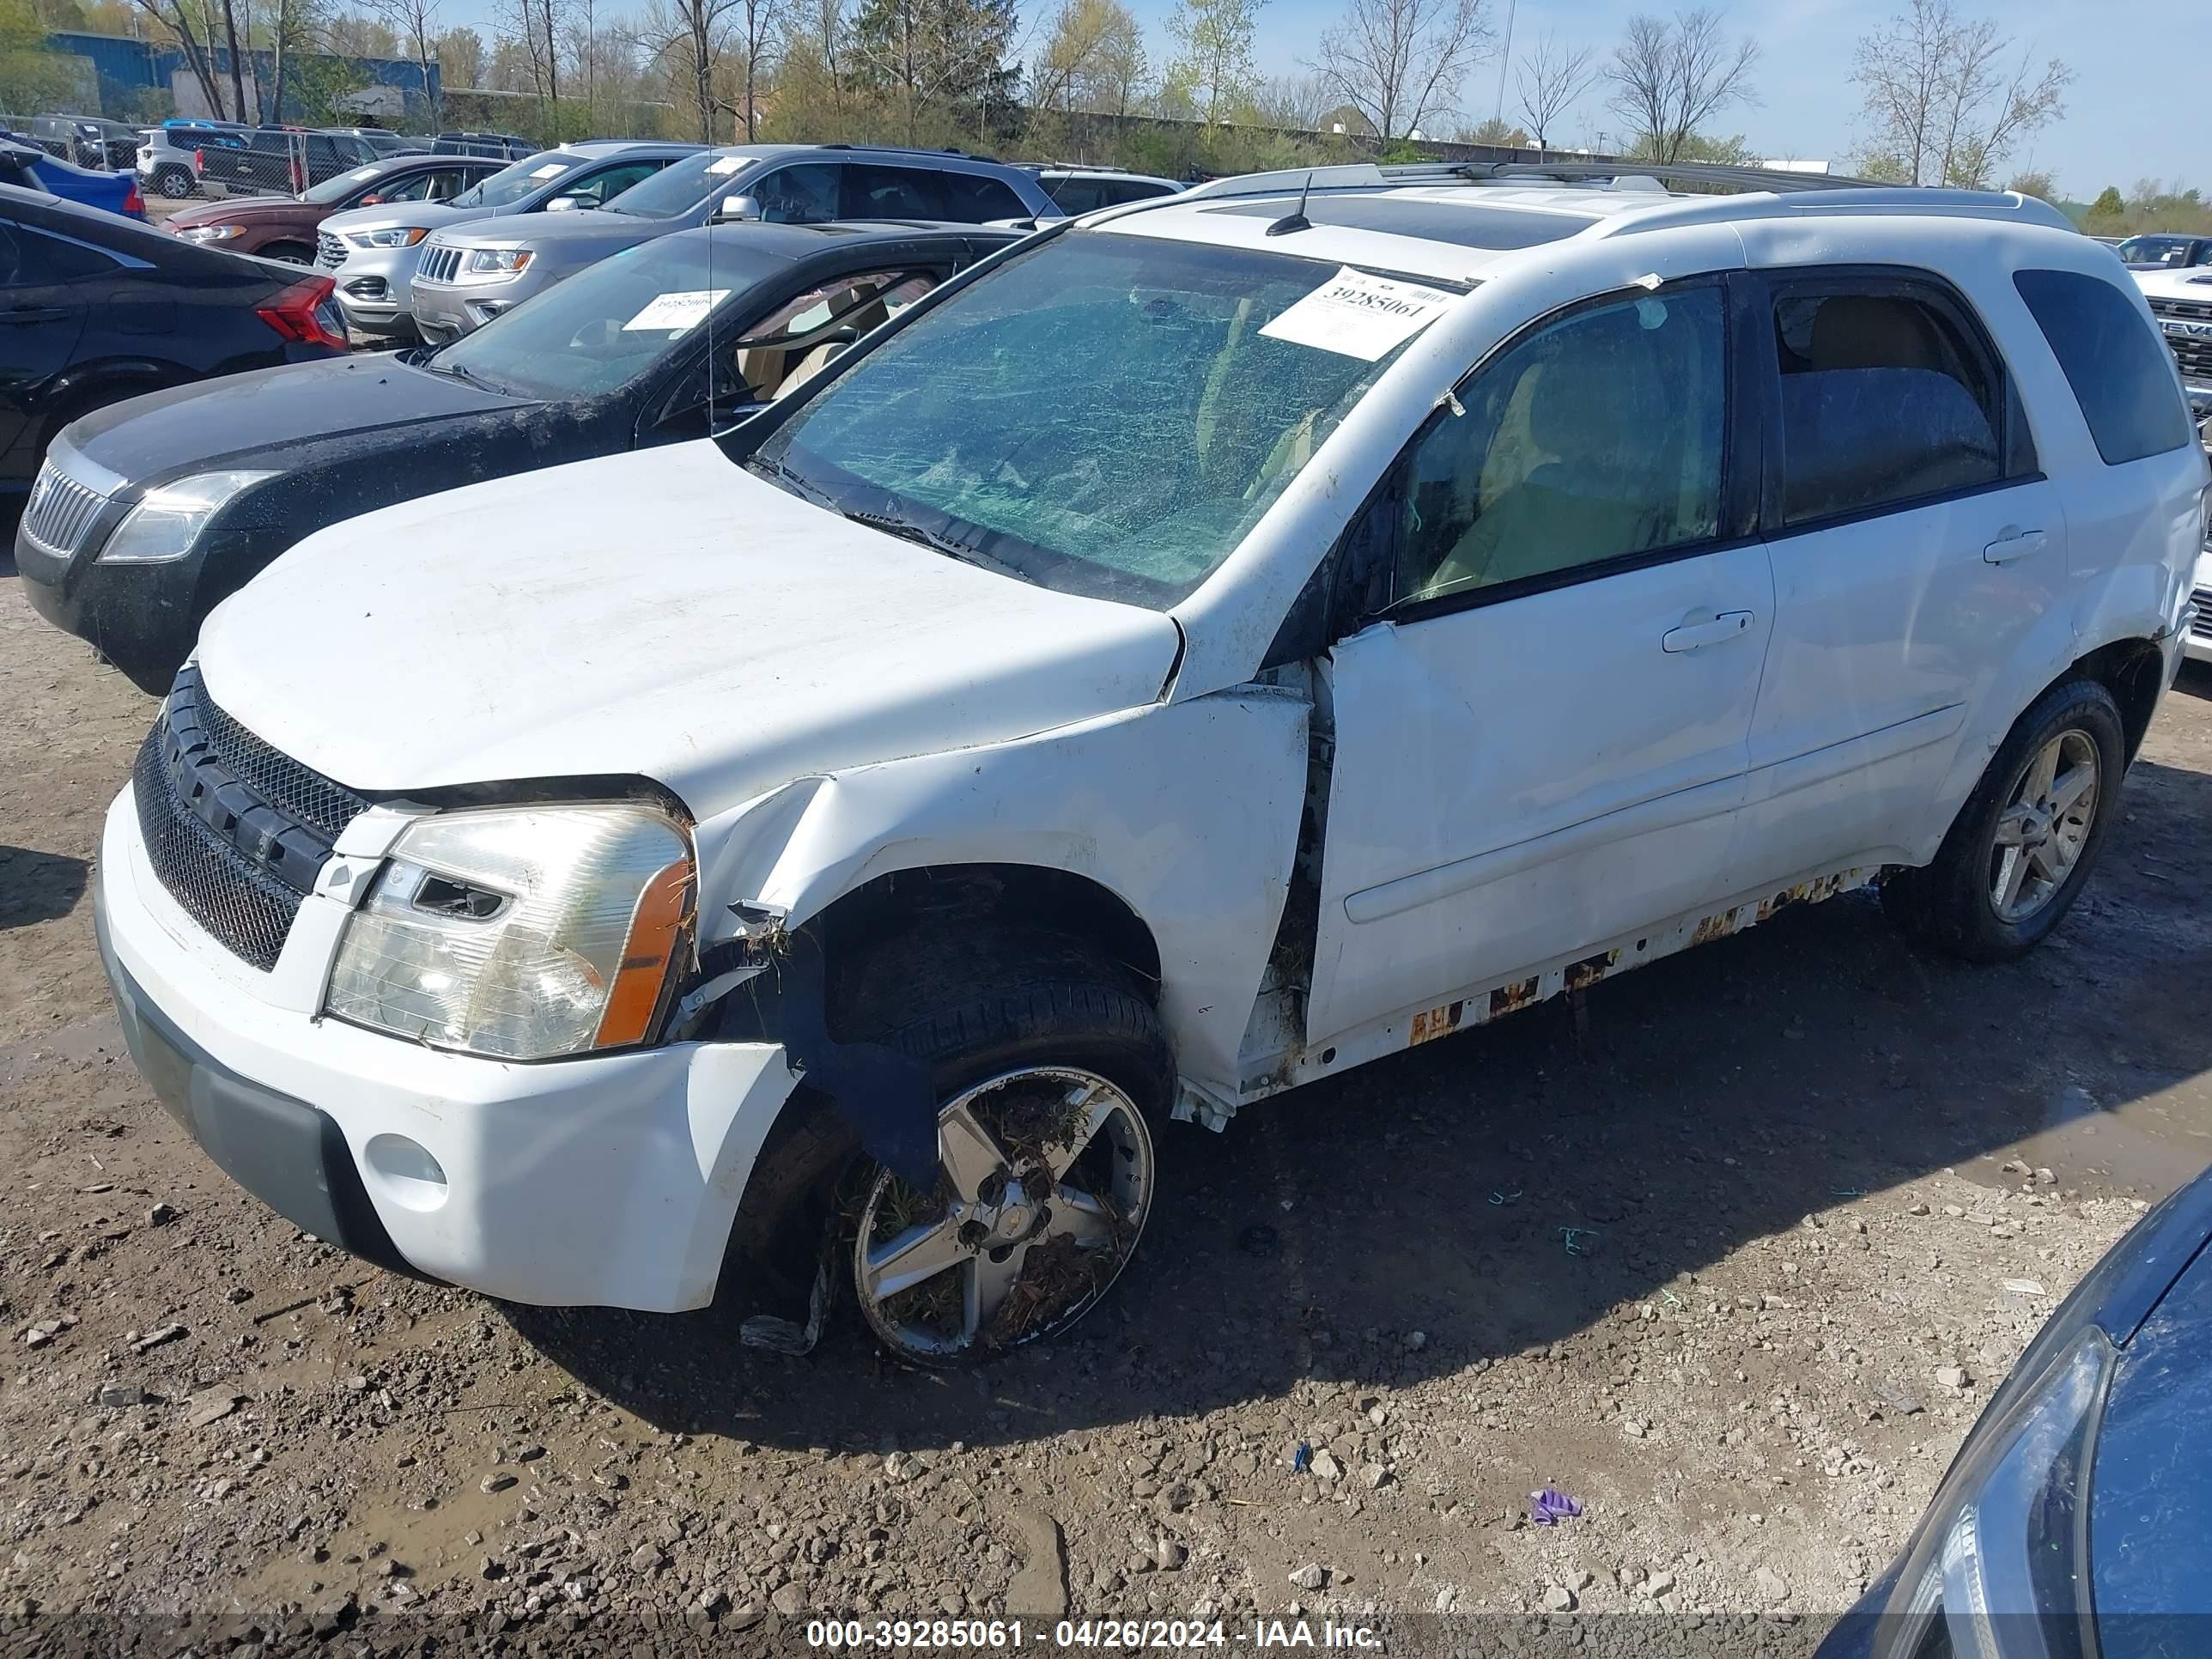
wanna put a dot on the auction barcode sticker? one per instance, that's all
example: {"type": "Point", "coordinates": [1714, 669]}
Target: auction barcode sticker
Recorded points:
{"type": "Point", "coordinates": [1358, 315]}
{"type": "Point", "coordinates": [678, 313]}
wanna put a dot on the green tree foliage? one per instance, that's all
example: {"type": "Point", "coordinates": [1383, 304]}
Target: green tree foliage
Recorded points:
{"type": "Point", "coordinates": [1213, 69]}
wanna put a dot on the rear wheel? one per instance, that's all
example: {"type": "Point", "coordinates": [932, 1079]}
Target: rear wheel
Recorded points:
{"type": "Point", "coordinates": [2024, 843]}
{"type": "Point", "coordinates": [1048, 1061]}
{"type": "Point", "coordinates": [174, 181]}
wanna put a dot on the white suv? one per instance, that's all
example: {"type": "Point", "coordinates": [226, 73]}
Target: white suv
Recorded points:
{"type": "Point", "coordinates": [1190, 654]}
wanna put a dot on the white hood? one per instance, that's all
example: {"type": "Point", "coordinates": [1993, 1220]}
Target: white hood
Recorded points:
{"type": "Point", "coordinates": [665, 614]}
{"type": "Point", "coordinates": [2191, 283]}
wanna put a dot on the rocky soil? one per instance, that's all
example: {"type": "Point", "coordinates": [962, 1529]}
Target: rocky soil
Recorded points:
{"type": "Point", "coordinates": [1734, 1263]}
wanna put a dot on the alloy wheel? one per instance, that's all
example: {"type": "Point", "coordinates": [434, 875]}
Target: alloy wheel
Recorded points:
{"type": "Point", "coordinates": [2040, 834]}
{"type": "Point", "coordinates": [1044, 1180]}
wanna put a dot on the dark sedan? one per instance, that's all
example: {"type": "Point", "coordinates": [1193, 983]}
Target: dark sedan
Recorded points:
{"type": "Point", "coordinates": [2077, 1518]}
{"type": "Point", "coordinates": [95, 309]}
{"type": "Point", "coordinates": [190, 493]}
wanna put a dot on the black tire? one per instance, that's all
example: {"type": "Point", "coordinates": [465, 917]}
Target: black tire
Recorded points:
{"type": "Point", "coordinates": [175, 182]}
{"type": "Point", "coordinates": [292, 253]}
{"type": "Point", "coordinates": [1948, 905]}
{"type": "Point", "coordinates": [972, 1006]}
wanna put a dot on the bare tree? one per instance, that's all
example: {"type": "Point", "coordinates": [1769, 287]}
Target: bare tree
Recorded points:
{"type": "Point", "coordinates": [171, 15]}
{"type": "Point", "coordinates": [1083, 62]}
{"type": "Point", "coordinates": [1940, 103]}
{"type": "Point", "coordinates": [416, 23]}
{"type": "Point", "coordinates": [693, 40]}
{"type": "Point", "coordinates": [1551, 80]}
{"type": "Point", "coordinates": [1399, 62]}
{"type": "Point", "coordinates": [1670, 75]}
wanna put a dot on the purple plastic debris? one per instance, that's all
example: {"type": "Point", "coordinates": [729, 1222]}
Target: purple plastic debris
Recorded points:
{"type": "Point", "coordinates": [1550, 1506]}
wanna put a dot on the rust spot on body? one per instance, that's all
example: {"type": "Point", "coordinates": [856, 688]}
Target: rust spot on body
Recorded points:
{"type": "Point", "coordinates": [1507, 998]}
{"type": "Point", "coordinates": [1589, 970]}
{"type": "Point", "coordinates": [1435, 1022]}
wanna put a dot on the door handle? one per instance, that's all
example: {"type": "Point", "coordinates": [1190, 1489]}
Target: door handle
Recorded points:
{"type": "Point", "coordinates": [2011, 542]}
{"type": "Point", "coordinates": [19, 314]}
{"type": "Point", "coordinates": [1695, 634]}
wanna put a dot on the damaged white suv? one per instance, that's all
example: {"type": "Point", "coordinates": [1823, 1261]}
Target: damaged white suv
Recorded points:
{"type": "Point", "coordinates": [1206, 648]}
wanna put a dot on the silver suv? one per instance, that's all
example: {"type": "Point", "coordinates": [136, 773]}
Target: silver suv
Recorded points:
{"type": "Point", "coordinates": [371, 253]}
{"type": "Point", "coordinates": [470, 274]}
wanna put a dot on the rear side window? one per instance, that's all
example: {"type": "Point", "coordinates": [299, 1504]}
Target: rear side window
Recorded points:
{"type": "Point", "coordinates": [2119, 370]}
{"type": "Point", "coordinates": [1883, 401]}
{"type": "Point", "coordinates": [879, 192]}
{"type": "Point", "coordinates": [972, 199]}
{"type": "Point", "coordinates": [1074, 196]}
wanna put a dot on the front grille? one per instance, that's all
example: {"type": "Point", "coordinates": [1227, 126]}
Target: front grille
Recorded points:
{"type": "Point", "coordinates": [329, 250]}
{"type": "Point", "coordinates": [2187, 325]}
{"type": "Point", "coordinates": [298, 790]}
{"type": "Point", "coordinates": [2200, 622]}
{"type": "Point", "coordinates": [60, 511]}
{"type": "Point", "coordinates": [236, 831]}
{"type": "Point", "coordinates": [439, 265]}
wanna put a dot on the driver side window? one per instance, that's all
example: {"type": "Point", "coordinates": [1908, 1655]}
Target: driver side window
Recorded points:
{"type": "Point", "coordinates": [805, 333]}
{"type": "Point", "coordinates": [1598, 437]}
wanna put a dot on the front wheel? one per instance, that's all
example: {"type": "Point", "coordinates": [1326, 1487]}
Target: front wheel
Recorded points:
{"type": "Point", "coordinates": [1048, 1061]}
{"type": "Point", "coordinates": [2024, 843]}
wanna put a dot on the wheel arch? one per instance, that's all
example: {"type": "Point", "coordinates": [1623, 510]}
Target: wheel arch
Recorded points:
{"type": "Point", "coordinates": [1100, 826]}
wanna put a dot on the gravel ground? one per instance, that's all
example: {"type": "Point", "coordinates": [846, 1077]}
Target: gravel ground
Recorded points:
{"type": "Point", "coordinates": [1735, 1266]}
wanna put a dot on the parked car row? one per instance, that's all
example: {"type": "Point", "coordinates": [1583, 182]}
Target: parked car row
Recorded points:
{"type": "Point", "coordinates": [26, 168]}
{"type": "Point", "coordinates": [288, 227]}
{"type": "Point", "coordinates": [672, 342]}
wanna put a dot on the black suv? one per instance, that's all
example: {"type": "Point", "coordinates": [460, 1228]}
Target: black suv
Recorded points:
{"type": "Point", "coordinates": [285, 160]}
{"type": "Point", "coordinates": [87, 140]}
{"type": "Point", "coordinates": [505, 145]}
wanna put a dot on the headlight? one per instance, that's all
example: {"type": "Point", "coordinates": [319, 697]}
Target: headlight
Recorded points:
{"type": "Point", "coordinates": [169, 520]}
{"type": "Point", "coordinates": [397, 236]}
{"type": "Point", "coordinates": [212, 233]}
{"type": "Point", "coordinates": [521, 932]}
{"type": "Point", "coordinates": [496, 261]}
{"type": "Point", "coordinates": [2001, 1561]}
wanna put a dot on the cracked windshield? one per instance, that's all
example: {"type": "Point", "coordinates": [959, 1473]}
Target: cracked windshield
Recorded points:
{"type": "Point", "coordinates": [1107, 415]}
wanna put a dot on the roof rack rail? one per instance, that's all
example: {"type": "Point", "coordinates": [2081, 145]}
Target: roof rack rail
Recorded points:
{"type": "Point", "coordinates": [1782, 181]}
{"type": "Point", "coordinates": [1367, 175]}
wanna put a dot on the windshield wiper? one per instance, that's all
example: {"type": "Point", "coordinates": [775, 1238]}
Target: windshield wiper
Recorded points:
{"type": "Point", "coordinates": [951, 546]}
{"type": "Point", "coordinates": [470, 375]}
{"type": "Point", "coordinates": [792, 482]}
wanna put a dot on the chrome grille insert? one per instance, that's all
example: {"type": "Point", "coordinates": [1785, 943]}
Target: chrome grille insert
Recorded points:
{"type": "Point", "coordinates": [440, 264]}
{"type": "Point", "coordinates": [329, 250]}
{"type": "Point", "coordinates": [60, 511]}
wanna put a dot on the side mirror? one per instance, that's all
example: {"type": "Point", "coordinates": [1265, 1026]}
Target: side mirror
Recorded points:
{"type": "Point", "coordinates": [730, 209]}
{"type": "Point", "coordinates": [564, 205]}
{"type": "Point", "coordinates": [370, 200]}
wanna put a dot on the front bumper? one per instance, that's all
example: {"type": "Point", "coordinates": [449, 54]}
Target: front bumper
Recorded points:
{"type": "Point", "coordinates": [606, 1180]}
{"type": "Point", "coordinates": [446, 311]}
{"type": "Point", "coordinates": [142, 617]}
{"type": "Point", "coordinates": [375, 290]}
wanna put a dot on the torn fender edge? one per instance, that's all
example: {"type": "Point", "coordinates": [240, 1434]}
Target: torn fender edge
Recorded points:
{"type": "Point", "coordinates": [884, 1097]}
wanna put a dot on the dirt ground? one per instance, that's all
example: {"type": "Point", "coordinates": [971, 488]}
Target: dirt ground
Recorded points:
{"type": "Point", "coordinates": [1708, 1267]}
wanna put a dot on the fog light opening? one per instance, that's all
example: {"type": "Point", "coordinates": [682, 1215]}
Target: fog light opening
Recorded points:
{"type": "Point", "coordinates": [405, 1172]}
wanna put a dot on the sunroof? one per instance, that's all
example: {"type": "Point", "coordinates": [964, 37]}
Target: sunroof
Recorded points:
{"type": "Point", "coordinates": [1465, 225]}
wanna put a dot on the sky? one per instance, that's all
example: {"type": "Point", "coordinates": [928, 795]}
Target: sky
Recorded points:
{"type": "Point", "coordinates": [2135, 111]}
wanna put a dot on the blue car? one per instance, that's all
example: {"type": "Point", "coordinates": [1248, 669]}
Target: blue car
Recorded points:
{"type": "Point", "coordinates": [2077, 1518]}
{"type": "Point", "coordinates": [28, 167]}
